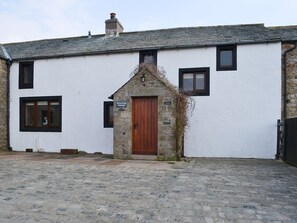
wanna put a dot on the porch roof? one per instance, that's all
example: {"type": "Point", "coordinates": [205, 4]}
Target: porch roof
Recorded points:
{"type": "Point", "coordinates": [151, 69]}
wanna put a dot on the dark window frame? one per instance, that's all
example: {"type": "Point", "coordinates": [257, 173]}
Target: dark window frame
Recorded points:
{"type": "Point", "coordinates": [24, 100]}
{"type": "Point", "coordinates": [143, 53]}
{"type": "Point", "coordinates": [22, 84]}
{"type": "Point", "coordinates": [107, 123]}
{"type": "Point", "coordinates": [232, 48]}
{"type": "Point", "coordinates": [198, 70]}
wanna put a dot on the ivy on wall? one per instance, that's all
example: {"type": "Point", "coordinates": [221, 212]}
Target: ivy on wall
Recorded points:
{"type": "Point", "coordinates": [184, 104]}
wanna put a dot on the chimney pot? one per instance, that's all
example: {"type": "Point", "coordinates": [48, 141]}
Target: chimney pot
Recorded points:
{"type": "Point", "coordinates": [112, 15]}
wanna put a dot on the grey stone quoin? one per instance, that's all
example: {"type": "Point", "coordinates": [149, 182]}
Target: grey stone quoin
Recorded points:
{"type": "Point", "coordinates": [3, 105]}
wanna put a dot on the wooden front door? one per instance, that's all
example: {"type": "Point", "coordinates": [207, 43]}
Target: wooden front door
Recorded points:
{"type": "Point", "coordinates": [145, 125]}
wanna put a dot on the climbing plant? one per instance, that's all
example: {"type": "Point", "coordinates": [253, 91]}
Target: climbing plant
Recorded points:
{"type": "Point", "coordinates": [184, 104]}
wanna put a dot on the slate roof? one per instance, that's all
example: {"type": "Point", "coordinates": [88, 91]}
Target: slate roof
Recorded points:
{"type": "Point", "coordinates": [135, 41]}
{"type": "Point", "coordinates": [2, 54]}
{"type": "Point", "coordinates": [286, 33]}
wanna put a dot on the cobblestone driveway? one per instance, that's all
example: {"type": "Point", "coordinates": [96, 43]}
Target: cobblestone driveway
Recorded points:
{"type": "Point", "coordinates": [84, 189]}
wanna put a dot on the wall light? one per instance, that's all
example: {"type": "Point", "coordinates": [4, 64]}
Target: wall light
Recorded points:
{"type": "Point", "coordinates": [142, 78]}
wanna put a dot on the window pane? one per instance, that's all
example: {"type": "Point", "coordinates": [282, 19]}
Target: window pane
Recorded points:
{"type": "Point", "coordinates": [226, 58]}
{"type": "Point", "coordinates": [27, 74]}
{"type": "Point", "coordinates": [29, 114]}
{"type": "Point", "coordinates": [55, 118]}
{"type": "Point", "coordinates": [188, 82]}
{"type": "Point", "coordinates": [42, 119]}
{"type": "Point", "coordinates": [110, 114]}
{"type": "Point", "coordinates": [42, 114]}
{"type": "Point", "coordinates": [200, 82]}
{"type": "Point", "coordinates": [149, 59]}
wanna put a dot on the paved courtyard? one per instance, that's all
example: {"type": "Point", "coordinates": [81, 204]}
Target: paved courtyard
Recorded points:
{"type": "Point", "coordinates": [57, 188]}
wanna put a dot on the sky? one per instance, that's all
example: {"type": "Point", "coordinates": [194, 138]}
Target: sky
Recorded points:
{"type": "Point", "coordinates": [26, 20]}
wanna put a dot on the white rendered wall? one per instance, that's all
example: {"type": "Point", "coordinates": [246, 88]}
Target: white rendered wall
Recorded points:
{"type": "Point", "coordinates": [239, 117]}
{"type": "Point", "coordinates": [84, 84]}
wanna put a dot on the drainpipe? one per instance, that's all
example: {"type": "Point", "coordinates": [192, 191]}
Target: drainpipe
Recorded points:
{"type": "Point", "coordinates": [285, 79]}
{"type": "Point", "coordinates": [8, 63]}
{"type": "Point", "coordinates": [285, 96]}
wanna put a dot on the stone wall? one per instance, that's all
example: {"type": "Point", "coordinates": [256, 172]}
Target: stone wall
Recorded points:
{"type": "Point", "coordinates": [166, 116]}
{"type": "Point", "coordinates": [3, 105]}
{"type": "Point", "coordinates": [291, 81]}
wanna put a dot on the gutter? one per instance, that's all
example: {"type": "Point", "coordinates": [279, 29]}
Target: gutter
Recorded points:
{"type": "Point", "coordinates": [285, 79]}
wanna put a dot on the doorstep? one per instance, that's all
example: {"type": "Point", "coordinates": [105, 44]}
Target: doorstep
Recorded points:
{"type": "Point", "coordinates": [144, 157]}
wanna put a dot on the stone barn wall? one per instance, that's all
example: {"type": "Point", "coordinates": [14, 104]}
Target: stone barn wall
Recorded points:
{"type": "Point", "coordinates": [291, 81]}
{"type": "Point", "coordinates": [3, 105]}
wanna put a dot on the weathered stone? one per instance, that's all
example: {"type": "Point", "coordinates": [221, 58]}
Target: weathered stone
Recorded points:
{"type": "Point", "coordinates": [291, 69]}
{"type": "Point", "coordinates": [3, 105]}
{"type": "Point", "coordinates": [166, 116]}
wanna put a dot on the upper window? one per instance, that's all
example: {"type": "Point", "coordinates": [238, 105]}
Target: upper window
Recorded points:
{"type": "Point", "coordinates": [226, 57]}
{"type": "Point", "coordinates": [108, 114]}
{"type": "Point", "coordinates": [194, 81]}
{"type": "Point", "coordinates": [26, 75]}
{"type": "Point", "coordinates": [148, 57]}
{"type": "Point", "coordinates": [41, 114]}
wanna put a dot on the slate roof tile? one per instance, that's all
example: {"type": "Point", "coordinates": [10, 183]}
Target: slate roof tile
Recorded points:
{"type": "Point", "coordinates": [153, 39]}
{"type": "Point", "coordinates": [286, 33]}
{"type": "Point", "coordinates": [2, 55]}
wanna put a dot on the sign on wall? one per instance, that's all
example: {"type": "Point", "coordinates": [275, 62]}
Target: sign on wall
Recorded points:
{"type": "Point", "coordinates": [121, 105]}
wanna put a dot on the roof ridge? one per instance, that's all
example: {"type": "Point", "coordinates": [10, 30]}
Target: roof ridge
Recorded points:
{"type": "Point", "coordinates": [162, 39]}
{"type": "Point", "coordinates": [133, 32]}
{"type": "Point", "coordinates": [53, 39]}
{"type": "Point", "coordinates": [283, 27]}
{"type": "Point", "coordinates": [194, 27]}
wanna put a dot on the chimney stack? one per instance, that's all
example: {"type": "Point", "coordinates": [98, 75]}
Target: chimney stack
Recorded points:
{"type": "Point", "coordinates": [113, 27]}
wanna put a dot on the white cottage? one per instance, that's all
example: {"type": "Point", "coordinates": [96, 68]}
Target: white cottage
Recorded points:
{"type": "Point", "coordinates": [59, 88]}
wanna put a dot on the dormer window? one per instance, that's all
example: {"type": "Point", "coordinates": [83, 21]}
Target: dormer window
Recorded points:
{"type": "Point", "coordinates": [148, 57]}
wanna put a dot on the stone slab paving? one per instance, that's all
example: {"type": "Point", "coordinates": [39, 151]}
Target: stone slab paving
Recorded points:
{"type": "Point", "coordinates": [94, 189]}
